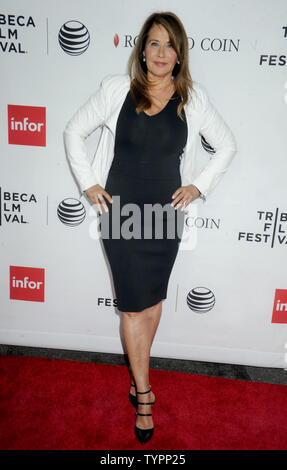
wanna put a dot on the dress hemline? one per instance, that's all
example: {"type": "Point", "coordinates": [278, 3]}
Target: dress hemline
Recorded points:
{"type": "Point", "coordinates": [147, 306]}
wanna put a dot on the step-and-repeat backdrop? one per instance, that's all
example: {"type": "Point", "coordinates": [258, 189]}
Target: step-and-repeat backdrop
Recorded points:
{"type": "Point", "coordinates": [227, 295]}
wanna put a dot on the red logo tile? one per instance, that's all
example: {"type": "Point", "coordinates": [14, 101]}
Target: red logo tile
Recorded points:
{"type": "Point", "coordinates": [27, 125]}
{"type": "Point", "coordinates": [280, 306]}
{"type": "Point", "coordinates": [27, 283]}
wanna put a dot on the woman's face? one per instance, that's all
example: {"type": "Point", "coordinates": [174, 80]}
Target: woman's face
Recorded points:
{"type": "Point", "coordinates": [159, 53]}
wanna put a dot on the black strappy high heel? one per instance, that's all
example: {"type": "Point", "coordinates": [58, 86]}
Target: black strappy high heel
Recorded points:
{"type": "Point", "coordinates": [133, 399]}
{"type": "Point", "coordinates": [144, 435]}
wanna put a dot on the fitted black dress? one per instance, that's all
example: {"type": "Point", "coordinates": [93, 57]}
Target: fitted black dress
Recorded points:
{"type": "Point", "coordinates": [142, 246]}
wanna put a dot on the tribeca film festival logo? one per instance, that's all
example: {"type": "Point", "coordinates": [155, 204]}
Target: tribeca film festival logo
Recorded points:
{"type": "Point", "coordinates": [27, 125]}
{"type": "Point", "coordinates": [279, 314]}
{"type": "Point", "coordinates": [11, 206]}
{"type": "Point", "coordinates": [274, 59]}
{"type": "Point", "coordinates": [27, 283]}
{"type": "Point", "coordinates": [9, 28]}
{"type": "Point", "coordinates": [74, 38]}
{"type": "Point", "coordinates": [274, 229]}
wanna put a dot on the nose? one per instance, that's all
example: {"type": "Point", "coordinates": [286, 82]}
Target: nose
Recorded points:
{"type": "Point", "coordinates": [161, 51]}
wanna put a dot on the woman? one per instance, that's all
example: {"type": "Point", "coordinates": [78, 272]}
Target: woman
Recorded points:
{"type": "Point", "coordinates": [146, 156]}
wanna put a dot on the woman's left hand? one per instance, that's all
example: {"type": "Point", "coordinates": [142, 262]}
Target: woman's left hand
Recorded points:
{"type": "Point", "coordinates": [184, 195]}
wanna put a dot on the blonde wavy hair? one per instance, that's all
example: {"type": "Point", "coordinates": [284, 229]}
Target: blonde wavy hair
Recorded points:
{"type": "Point", "coordinates": [137, 69]}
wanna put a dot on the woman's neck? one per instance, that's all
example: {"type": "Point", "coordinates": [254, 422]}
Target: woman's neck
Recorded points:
{"type": "Point", "coordinates": [160, 84]}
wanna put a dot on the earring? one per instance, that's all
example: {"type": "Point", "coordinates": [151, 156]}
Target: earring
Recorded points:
{"type": "Point", "coordinates": [178, 62]}
{"type": "Point", "coordinates": [143, 58]}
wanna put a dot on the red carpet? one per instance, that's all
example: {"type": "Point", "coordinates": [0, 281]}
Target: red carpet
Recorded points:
{"type": "Point", "coordinates": [50, 404]}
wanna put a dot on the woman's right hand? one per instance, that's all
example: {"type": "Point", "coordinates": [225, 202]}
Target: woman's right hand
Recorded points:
{"type": "Point", "coordinates": [95, 194]}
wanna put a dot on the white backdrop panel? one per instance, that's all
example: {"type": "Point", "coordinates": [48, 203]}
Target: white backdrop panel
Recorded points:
{"type": "Point", "coordinates": [246, 80]}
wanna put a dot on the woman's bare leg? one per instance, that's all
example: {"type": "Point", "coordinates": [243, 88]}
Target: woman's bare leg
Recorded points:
{"type": "Point", "coordinates": [139, 329]}
{"type": "Point", "coordinates": [154, 315]}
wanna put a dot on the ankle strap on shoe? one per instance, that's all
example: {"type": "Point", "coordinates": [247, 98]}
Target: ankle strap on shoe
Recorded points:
{"type": "Point", "coordinates": [144, 392]}
{"type": "Point", "coordinates": [150, 403]}
{"type": "Point", "coordinates": [143, 414]}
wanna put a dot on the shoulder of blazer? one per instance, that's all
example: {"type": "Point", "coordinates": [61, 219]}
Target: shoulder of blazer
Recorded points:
{"type": "Point", "coordinates": [115, 83]}
{"type": "Point", "coordinates": [197, 97]}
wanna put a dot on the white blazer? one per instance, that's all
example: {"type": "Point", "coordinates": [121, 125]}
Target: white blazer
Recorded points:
{"type": "Point", "coordinates": [102, 110]}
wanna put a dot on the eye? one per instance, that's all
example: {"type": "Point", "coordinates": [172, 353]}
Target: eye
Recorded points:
{"type": "Point", "coordinates": [153, 43]}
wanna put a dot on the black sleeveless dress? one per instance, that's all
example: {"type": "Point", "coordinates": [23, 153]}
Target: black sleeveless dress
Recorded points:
{"type": "Point", "coordinates": [141, 232]}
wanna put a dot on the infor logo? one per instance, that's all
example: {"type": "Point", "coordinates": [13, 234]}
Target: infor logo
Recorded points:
{"type": "Point", "coordinates": [27, 125]}
{"type": "Point", "coordinates": [280, 306]}
{"type": "Point", "coordinates": [27, 283]}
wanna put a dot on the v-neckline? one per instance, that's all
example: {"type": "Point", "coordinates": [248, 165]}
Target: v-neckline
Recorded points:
{"type": "Point", "coordinates": [153, 115]}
